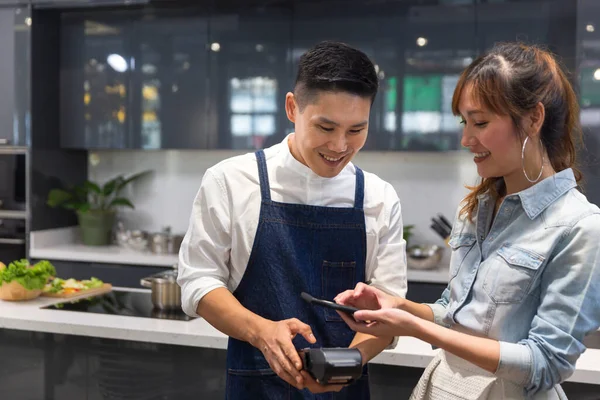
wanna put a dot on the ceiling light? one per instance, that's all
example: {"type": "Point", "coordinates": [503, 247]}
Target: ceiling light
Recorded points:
{"type": "Point", "coordinates": [117, 62]}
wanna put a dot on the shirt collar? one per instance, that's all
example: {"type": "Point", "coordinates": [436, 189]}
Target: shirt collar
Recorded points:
{"type": "Point", "coordinates": [289, 162]}
{"type": "Point", "coordinates": [540, 196]}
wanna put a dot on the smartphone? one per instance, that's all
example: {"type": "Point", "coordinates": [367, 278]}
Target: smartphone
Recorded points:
{"type": "Point", "coordinates": [329, 304]}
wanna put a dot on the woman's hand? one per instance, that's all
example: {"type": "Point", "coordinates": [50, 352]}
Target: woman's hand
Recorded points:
{"type": "Point", "coordinates": [383, 322]}
{"type": "Point", "coordinates": [366, 297]}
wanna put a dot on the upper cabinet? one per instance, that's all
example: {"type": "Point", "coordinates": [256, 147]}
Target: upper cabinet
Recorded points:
{"type": "Point", "coordinates": [215, 75]}
{"type": "Point", "coordinates": [15, 25]}
{"type": "Point", "coordinates": [134, 82]}
{"type": "Point", "coordinates": [588, 75]}
{"type": "Point", "coordinates": [250, 72]}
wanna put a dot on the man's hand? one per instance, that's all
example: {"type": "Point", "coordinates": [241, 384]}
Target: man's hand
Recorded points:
{"type": "Point", "coordinates": [275, 342]}
{"type": "Point", "coordinates": [315, 387]}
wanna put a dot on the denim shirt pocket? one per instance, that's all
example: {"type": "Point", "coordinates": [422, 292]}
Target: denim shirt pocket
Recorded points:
{"type": "Point", "coordinates": [461, 245]}
{"type": "Point", "coordinates": [511, 273]}
{"type": "Point", "coordinates": [336, 277]}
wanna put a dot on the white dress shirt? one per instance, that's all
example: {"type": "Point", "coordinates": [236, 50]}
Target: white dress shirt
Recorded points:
{"type": "Point", "coordinates": [225, 213]}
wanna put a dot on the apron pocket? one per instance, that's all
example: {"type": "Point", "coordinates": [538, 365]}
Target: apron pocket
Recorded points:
{"type": "Point", "coordinates": [256, 384]}
{"type": "Point", "coordinates": [336, 277]}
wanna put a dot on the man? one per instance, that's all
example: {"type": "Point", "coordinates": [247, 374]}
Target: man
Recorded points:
{"type": "Point", "coordinates": [296, 217]}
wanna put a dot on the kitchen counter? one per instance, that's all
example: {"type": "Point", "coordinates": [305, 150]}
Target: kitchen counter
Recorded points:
{"type": "Point", "coordinates": [437, 275]}
{"type": "Point", "coordinates": [28, 316]}
{"type": "Point", "coordinates": [62, 244]}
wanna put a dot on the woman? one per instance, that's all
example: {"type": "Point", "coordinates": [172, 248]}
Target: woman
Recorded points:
{"type": "Point", "coordinates": [524, 284]}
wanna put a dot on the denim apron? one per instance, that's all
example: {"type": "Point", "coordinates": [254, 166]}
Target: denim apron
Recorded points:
{"type": "Point", "coordinates": [315, 249]}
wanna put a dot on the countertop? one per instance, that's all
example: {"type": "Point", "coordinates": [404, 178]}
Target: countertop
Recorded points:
{"type": "Point", "coordinates": [62, 244]}
{"type": "Point", "coordinates": [29, 316]}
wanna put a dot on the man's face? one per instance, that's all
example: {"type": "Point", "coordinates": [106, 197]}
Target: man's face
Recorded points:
{"type": "Point", "coordinates": [329, 131]}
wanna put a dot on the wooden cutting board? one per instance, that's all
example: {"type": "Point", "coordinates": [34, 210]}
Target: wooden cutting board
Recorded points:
{"type": "Point", "coordinates": [107, 287]}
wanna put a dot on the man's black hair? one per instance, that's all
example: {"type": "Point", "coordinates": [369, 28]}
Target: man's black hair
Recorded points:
{"type": "Point", "coordinates": [334, 67]}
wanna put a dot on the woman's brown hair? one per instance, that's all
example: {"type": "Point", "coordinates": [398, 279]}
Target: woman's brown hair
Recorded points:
{"type": "Point", "coordinates": [511, 79]}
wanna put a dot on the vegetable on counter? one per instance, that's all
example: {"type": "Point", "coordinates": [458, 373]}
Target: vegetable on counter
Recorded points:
{"type": "Point", "coordinates": [68, 286]}
{"type": "Point", "coordinates": [31, 277]}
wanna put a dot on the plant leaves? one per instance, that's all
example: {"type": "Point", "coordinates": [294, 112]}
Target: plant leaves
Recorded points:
{"type": "Point", "coordinates": [120, 201]}
{"type": "Point", "coordinates": [92, 187]}
{"type": "Point", "coordinates": [110, 186]}
{"type": "Point", "coordinates": [75, 205]}
{"type": "Point", "coordinates": [81, 193]}
{"type": "Point", "coordinates": [132, 178]}
{"type": "Point", "coordinates": [58, 197]}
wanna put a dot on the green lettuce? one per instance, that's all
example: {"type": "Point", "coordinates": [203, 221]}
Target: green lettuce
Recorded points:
{"type": "Point", "coordinates": [33, 278]}
{"type": "Point", "coordinates": [93, 283]}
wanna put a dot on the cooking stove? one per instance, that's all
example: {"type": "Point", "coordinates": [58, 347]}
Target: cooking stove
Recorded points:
{"type": "Point", "coordinates": [121, 302]}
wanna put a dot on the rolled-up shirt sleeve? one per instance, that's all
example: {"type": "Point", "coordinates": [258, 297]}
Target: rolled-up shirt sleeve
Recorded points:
{"type": "Point", "coordinates": [570, 300]}
{"type": "Point", "coordinates": [439, 308]}
{"type": "Point", "coordinates": [206, 247]}
{"type": "Point", "coordinates": [388, 270]}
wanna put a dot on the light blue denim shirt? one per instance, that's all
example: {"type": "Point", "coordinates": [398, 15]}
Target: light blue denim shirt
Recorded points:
{"type": "Point", "coordinates": [531, 280]}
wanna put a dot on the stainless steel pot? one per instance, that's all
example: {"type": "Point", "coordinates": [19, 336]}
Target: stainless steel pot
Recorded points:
{"type": "Point", "coordinates": [166, 293]}
{"type": "Point", "coordinates": [165, 242]}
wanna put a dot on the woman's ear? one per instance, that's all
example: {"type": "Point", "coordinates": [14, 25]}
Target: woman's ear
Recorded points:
{"type": "Point", "coordinates": [535, 120]}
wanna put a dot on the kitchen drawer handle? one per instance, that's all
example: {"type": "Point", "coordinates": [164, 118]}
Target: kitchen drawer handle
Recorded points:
{"type": "Point", "coordinates": [4, 141]}
{"type": "Point", "coordinates": [12, 241]}
{"type": "Point", "coordinates": [10, 214]}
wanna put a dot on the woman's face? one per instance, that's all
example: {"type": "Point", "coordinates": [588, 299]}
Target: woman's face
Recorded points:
{"type": "Point", "coordinates": [493, 139]}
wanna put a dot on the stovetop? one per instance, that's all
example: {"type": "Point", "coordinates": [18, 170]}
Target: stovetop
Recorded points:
{"type": "Point", "coordinates": [120, 302]}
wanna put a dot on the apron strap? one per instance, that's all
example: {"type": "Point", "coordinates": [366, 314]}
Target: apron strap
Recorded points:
{"type": "Point", "coordinates": [263, 175]}
{"type": "Point", "coordinates": [359, 193]}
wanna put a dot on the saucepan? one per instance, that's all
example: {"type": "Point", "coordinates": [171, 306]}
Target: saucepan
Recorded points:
{"type": "Point", "coordinates": [166, 293]}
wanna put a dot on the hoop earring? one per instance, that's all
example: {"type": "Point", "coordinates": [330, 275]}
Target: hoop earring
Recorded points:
{"type": "Point", "coordinates": [523, 163]}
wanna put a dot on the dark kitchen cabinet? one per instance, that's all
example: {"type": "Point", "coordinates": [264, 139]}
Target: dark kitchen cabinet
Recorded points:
{"type": "Point", "coordinates": [15, 23]}
{"type": "Point", "coordinates": [129, 82]}
{"type": "Point", "coordinates": [213, 75]}
{"type": "Point", "coordinates": [84, 3]}
{"type": "Point", "coordinates": [250, 71]}
{"type": "Point", "coordinates": [95, 74]}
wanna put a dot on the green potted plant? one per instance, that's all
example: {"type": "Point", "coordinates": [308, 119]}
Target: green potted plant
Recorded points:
{"type": "Point", "coordinates": [95, 205]}
{"type": "Point", "coordinates": [407, 233]}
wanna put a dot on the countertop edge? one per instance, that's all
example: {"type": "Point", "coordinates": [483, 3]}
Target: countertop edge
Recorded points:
{"type": "Point", "coordinates": [410, 352]}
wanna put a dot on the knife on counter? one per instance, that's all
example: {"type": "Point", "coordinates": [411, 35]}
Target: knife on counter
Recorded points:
{"type": "Point", "coordinates": [442, 227]}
